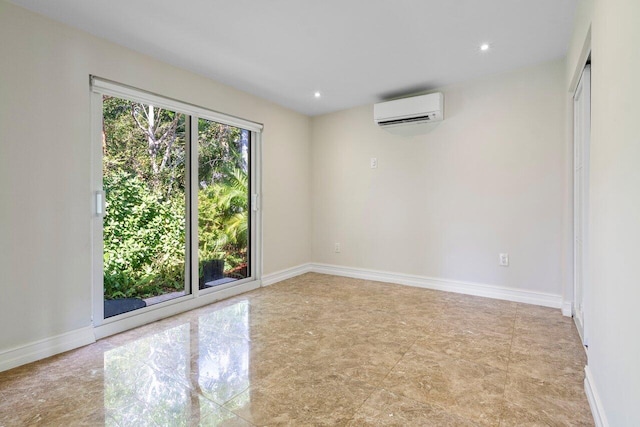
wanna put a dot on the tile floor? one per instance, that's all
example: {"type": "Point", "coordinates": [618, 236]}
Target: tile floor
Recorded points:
{"type": "Point", "coordinates": [318, 350]}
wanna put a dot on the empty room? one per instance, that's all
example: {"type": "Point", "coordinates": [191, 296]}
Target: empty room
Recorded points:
{"type": "Point", "coordinates": [282, 212]}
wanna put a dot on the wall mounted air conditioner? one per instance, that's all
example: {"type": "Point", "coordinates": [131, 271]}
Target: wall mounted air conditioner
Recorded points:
{"type": "Point", "coordinates": [413, 110]}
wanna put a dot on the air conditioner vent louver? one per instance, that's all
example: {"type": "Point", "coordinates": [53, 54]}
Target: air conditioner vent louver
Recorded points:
{"type": "Point", "coordinates": [405, 121]}
{"type": "Point", "coordinates": [406, 111]}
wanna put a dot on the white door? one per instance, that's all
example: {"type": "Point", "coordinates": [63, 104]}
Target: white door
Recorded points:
{"type": "Point", "coordinates": [581, 142]}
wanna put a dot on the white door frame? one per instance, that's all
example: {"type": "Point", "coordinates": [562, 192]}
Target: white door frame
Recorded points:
{"type": "Point", "coordinates": [581, 149]}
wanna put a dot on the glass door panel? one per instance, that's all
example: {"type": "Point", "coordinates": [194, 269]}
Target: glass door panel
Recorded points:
{"type": "Point", "coordinates": [223, 203]}
{"type": "Point", "coordinates": [145, 186]}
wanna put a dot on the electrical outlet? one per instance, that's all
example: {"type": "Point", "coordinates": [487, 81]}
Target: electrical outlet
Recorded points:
{"type": "Point", "coordinates": [336, 248]}
{"type": "Point", "coordinates": [504, 260]}
{"type": "Point", "coordinates": [374, 162]}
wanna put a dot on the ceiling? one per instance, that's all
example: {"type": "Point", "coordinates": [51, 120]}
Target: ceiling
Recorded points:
{"type": "Point", "coordinates": [354, 52]}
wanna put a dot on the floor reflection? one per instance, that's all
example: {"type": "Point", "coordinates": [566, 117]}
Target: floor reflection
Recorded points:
{"type": "Point", "coordinates": [223, 346]}
{"type": "Point", "coordinates": [182, 374]}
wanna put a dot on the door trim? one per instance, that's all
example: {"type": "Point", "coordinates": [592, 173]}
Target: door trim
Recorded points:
{"type": "Point", "coordinates": [581, 150]}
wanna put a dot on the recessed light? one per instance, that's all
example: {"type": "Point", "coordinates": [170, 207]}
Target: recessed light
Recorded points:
{"type": "Point", "coordinates": [484, 46]}
{"type": "Point", "coordinates": [317, 94]}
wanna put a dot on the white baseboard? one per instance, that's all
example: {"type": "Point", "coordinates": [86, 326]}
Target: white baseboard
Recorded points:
{"type": "Point", "coordinates": [567, 308]}
{"type": "Point", "coordinates": [279, 276]}
{"type": "Point", "coordinates": [45, 348]}
{"type": "Point", "coordinates": [593, 397]}
{"type": "Point", "coordinates": [468, 288]}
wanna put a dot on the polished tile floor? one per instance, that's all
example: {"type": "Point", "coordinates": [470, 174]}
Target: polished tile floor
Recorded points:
{"type": "Point", "coordinates": [318, 350]}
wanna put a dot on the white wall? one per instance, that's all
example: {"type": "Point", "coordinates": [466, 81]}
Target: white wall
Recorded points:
{"type": "Point", "coordinates": [614, 293]}
{"type": "Point", "coordinates": [445, 203]}
{"type": "Point", "coordinates": [45, 264]}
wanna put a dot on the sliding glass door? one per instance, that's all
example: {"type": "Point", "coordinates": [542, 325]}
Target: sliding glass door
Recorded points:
{"type": "Point", "coordinates": [175, 201]}
{"type": "Point", "coordinates": [223, 203]}
{"type": "Point", "coordinates": [145, 188]}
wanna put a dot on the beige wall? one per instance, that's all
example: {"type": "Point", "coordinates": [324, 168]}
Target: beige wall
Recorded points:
{"type": "Point", "coordinates": [45, 263]}
{"type": "Point", "coordinates": [490, 178]}
{"type": "Point", "coordinates": [611, 315]}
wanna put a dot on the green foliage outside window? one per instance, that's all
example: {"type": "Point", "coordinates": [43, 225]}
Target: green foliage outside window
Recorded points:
{"type": "Point", "coordinates": [143, 239]}
{"type": "Point", "coordinates": [144, 158]}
